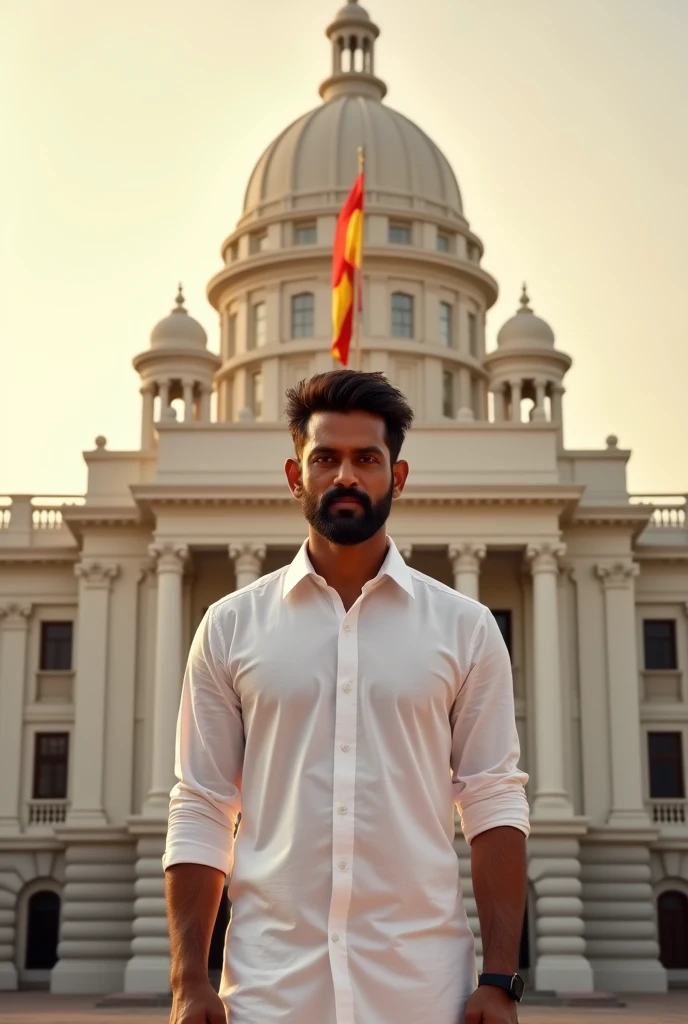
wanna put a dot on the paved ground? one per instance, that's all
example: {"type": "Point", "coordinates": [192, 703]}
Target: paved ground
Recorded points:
{"type": "Point", "coordinates": [42, 1008]}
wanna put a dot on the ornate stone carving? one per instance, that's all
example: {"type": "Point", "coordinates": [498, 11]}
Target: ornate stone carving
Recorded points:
{"type": "Point", "coordinates": [169, 556]}
{"type": "Point", "coordinates": [616, 574]}
{"type": "Point", "coordinates": [95, 573]}
{"type": "Point", "coordinates": [466, 556]}
{"type": "Point", "coordinates": [15, 615]}
{"type": "Point", "coordinates": [247, 557]}
{"type": "Point", "coordinates": [545, 557]}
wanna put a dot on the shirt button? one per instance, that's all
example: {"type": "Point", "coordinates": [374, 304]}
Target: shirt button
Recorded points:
{"type": "Point", "coordinates": [347, 629]}
{"type": "Point", "coordinates": [342, 865]}
{"type": "Point", "coordinates": [342, 810]}
{"type": "Point", "coordinates": [346, 748]}
{"type": "Point", "coordinates": [346, 687]}
{"type": "Point", "coordinates": [335, 937]}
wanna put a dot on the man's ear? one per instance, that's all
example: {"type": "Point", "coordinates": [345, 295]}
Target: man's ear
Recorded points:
{"type": "Point", "coordinates": [292, 470]}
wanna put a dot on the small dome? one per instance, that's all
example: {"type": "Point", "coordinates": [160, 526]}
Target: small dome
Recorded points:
{"type": "Point", "coordinates": [178, 330]}
{"type": "Point", "coordinates": [352, 12]}
{"type": "Point", "coordinates": [525, 330]}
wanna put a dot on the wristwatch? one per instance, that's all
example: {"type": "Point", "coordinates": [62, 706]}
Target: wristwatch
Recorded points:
{"type": "Point", "coordinates": [513, 984]}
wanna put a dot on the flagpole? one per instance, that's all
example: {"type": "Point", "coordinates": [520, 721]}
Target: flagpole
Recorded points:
{"type": "Point", "coordinates": [358, 276]}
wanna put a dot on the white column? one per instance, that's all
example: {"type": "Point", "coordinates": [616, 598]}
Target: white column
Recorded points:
{"type": "Point", "coordinates": [516, 401]}
{"type": "Point", "coordinates": [465, 559]}
{"type": "Point", "coordinates": [86, 788]}
{"type": "Point", "coordinates": [499, 404]}
{"type": "Point", "coordinates": [148, 399]}
{"type": "Point", "coordinates": [539, 412]}
{"type": "Point", "coordinates": [248, 562]}
{"type": "Point", "coordinates": [164, 392]}
{"type": "Point", "coordinates": [188, 386]}
{"type": "Point", "coordinates": [465, 402]}
{"type": "Point", "coordinates": [14, 624]}
{"type": "Point", "coordinates": [622, 681]}
{"type": "Point", "coordinates": [551, 799]}
{"type": "Point", "coordinates": [169, 672]}
{"type": "Point", "coordinates": [557, 394]}
{"type": "Point", "coordinates": [204, 412]}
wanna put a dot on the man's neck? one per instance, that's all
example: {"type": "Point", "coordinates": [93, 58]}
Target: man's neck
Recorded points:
{"type": "Point", "coordinates": [347, 568]}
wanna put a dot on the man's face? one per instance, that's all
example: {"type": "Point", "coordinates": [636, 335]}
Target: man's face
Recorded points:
{"type": "Point", "coordinates": [346, 483]}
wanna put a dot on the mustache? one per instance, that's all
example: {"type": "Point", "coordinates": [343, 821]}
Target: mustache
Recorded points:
{"type": "Point", "coordinates": [340, 494]}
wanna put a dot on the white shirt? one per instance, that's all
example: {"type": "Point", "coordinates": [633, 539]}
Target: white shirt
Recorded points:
{"type": "Point", "coordinates": [344, 738]}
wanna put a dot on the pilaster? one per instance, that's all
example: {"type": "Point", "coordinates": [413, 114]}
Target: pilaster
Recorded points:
{"type": "Point", "coordinates": [95, 585]}
{"type": "Point", "coordinates": [628, 809]}
{"type": "Point", "coordinates": [551, 799]}
{"type": "Point", "coordinates": [14, 627]}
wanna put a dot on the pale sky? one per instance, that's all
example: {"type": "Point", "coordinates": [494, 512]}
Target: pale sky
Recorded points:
{"type": "Point", "coordinates": [129, 130]}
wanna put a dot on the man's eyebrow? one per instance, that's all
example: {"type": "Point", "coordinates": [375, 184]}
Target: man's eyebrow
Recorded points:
{"type": "Point", "coordinates": [323, 449]}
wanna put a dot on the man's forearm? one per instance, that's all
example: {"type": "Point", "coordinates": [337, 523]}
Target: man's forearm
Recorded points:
{"type": "Point", "coordinates": [498, 870]}
{"type": "Point", "coordinates": [193, 893]}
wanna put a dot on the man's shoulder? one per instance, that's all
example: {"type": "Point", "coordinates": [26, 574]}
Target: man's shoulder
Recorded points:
{"type": "Point", "coordinates": [264, 586]}
{"type": "Point", "coordinates": [444, 595]}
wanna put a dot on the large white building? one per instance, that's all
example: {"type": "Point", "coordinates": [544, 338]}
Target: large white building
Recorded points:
{"type": "Point", "coordinates": [100, 595]}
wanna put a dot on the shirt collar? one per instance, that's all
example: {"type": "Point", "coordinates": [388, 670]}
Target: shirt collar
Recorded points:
{"type": "Point", "coordinates": [393, 566]}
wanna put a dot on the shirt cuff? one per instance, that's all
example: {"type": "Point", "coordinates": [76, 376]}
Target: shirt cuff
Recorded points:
{"type": "Point", "coordinates": [511, 809]}
{"type": "Point", "coordinates": [186, 851]}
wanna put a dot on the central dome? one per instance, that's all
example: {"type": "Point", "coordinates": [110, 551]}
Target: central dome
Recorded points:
{"type": "Point", "coordinates": [315, 159]}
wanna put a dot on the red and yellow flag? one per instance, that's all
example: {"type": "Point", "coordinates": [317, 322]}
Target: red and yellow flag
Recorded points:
{"type": "Point", "coordinates": [346, 260]}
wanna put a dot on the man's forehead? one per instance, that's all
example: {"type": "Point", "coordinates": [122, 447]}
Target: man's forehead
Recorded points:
{"type": "Point", "coordinates": [354, 429]}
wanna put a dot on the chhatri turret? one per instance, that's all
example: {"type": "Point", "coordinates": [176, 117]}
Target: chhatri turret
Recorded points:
{"type": "Point", "coordinates": [177, 365]}
{"type": "Point", "coordinates": [526, 364]}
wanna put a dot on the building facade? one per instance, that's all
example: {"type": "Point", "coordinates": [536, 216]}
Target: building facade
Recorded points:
{"type": "Point", "coordinates": [100, 593]}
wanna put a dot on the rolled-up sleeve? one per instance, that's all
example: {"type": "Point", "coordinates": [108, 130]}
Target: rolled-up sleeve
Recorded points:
{"type": "Point", "coordinates": [488, 785]}
{"type": "Point", "coordinates": [209, 753]}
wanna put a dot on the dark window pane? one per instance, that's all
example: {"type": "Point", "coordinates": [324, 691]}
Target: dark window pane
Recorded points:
{"type": "Point", "coordinates": [503, 619]}
{"type": "Point", "coordinates": [659, 637]}
{"type": "Point", "coordinates": [303, 315]}
{"type": "Point", "coordinates": [672, 913]}
{"type": "Point", "coordinates": [56, 646]}
{"type": "Point", "coordinates": [402, 315]}
{"type": "Point", "coordinates": [50, 766]}
{"type": "Point", "coordinates": [42, 931]}
{"type": "Point", "coordinates": [666, 765]}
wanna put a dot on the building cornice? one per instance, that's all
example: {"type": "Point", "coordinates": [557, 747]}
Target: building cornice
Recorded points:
{"type": "Point", "coordinates": [386, 259]}
{"type": "Point", "coordinates": [614, 517]}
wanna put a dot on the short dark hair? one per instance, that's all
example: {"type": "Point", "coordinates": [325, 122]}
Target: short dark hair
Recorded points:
{"type": "Point", "coordinates": [349, 391]}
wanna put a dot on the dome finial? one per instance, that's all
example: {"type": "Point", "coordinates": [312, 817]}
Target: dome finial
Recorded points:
{"type": "Point", "coordinates": [525, 301]}
{"type": "Point", "coordinates": [179, 301]}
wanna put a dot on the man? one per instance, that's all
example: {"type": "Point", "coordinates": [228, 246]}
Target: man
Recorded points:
{"type": "Point", "coordinates": [342, 705]}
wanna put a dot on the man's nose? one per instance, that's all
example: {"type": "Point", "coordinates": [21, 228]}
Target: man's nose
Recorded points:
{"type": "Point", "coordinates": [346, 475]}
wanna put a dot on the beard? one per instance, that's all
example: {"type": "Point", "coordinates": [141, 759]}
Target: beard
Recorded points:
{"type": "Point", "coordinates": [346, 526]}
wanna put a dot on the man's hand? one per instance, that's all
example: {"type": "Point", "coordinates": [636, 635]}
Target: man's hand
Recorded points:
{"type": "Point", "coordinates": [197, 1004]}
{"type": "Point", "coordinates": [490, 1005]}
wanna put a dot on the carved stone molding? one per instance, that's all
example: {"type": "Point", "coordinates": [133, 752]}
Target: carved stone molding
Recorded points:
{"type": "Point", "coordinates": [96, 574]}
{"type": "Point", "coordinates": [169, 556]}
{"type": "Point", "coordinates": [15, 615]}
{"type": "Point", "coordinates": [247, 556]}
{"type": "Point", "coordinates": [616, 575]}
{"type": "Point", "coordinates": [466, 556]}
{"type": "Point", "coordinates": [545, 557]}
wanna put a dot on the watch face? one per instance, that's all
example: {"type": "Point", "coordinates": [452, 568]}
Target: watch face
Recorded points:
{"type": "Point", "coordinates": [518, 987]}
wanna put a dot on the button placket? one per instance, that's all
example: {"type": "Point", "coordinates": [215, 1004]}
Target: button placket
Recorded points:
{"type": "Point", "coordinates": [343, 812]}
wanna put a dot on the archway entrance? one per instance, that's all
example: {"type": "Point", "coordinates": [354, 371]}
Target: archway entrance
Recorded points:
{"type": "Point", "coordinates": [672, 913]}
{"type": "Point", "coordinates": [41, 936]}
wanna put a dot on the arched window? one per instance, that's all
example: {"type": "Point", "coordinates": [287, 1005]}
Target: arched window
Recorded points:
{"type": "Point", "coordinates": [672, 913]}
{"type": "Point", "coordinates": [303, 315]}
{"type": "Point", "coordinates": [42, 931]}
{"type": "Point", "coordinates": [402, 315]}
